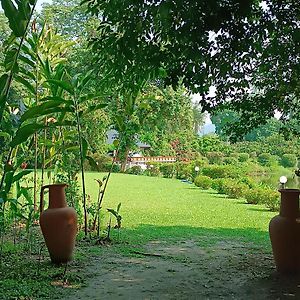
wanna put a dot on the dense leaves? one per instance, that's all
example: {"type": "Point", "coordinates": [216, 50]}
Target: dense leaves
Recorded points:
{"type": "Point", "coordinates": [247, 50]}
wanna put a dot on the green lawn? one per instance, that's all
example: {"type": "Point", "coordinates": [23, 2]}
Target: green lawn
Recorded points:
{"type": "Point", "coordinates": [168, 208]}
{"type": "Point", "coordinates": [152, 209]}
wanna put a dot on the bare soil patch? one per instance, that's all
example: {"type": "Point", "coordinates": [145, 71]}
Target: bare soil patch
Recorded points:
{"type": "Point", "coordinates": [187, 270]}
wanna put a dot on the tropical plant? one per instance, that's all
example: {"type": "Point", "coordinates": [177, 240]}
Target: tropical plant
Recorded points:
{"type": "Point", "coordinates": [19, 18]}
{"type": "Point", "coordinates": [116, 214]}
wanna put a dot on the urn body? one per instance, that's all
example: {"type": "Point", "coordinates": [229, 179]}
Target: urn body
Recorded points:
{"type": "Point", "coordinates": [284, 232]}
{"type": "Point", "coordinates": [58, 224]}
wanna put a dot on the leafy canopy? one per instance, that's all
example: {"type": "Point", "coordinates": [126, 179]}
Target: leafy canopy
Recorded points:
{"type": "Point", "coordinates": [248, 50]}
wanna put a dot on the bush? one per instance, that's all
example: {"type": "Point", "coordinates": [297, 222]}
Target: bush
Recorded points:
{"type": "Point", "coordinates": [253, 155]}
{"type": "Point", "coordinates": [265, 196]}
{"type": "Point", "coordinates": [200, 162]}
{"type": "Point", "coordinates": [220, 184]}
{"type": "Point", "coordinates": [152, 169]}
{"type": "Point", "coordinates": [184, 170]}
{"type": "Point", "coordinates": [203, 182]}
{"type": "Point", "coordinates": [230, 160]}
{"type": "Point", "coordinates": [230, 187]}
{"type": "Point", "coordinates": [227, 171]}
{"type": "Point", "coordinates": [167, 170]}
{"type": "Point", "coordinates": [243, 157]}
{"type": "Point", "coordinates": [252, 196]}
{"type": "Point", "coordinates": [266, 160]}
{"type": "Point", "coordinates": [234, 154]}
{"type": "Point", "coordinates": [249, 182]}
{"type": "Point", "coordinates": [236, 190]}
{"type": "Point", "coordinates": [116, 168]}
{"type": "Point", "coordinates": [288, 160]}
{"type": "Point", "coordinates": [135, 170]}
{"type": "Point", "coordinates": [215, 157]}
{"type": "Point", "coordinates": [271, 200]}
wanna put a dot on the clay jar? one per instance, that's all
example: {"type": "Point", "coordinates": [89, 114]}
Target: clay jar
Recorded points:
{"type": "Point", "coordinates": [58, 224]}
{"type": "Point", "coordinates": [285, 233]}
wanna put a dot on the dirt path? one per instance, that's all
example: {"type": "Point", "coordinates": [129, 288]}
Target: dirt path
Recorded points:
{"type": "Point", "coordinates": [185, 270]}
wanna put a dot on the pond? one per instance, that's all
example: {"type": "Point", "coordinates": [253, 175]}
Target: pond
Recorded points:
{"type": "Point", "coordinates": [272, 179]}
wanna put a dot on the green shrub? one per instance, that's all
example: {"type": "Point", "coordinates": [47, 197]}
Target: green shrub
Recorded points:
{"type": "Point", "coordinates": [167, 170]}
{"type": "Point", "coordinates": [103, 164]}
{"type": "Point", "coordinates": [215, 157]}
{"type": "Point", "coordinates": [234, 154]}
{"type": "Point", "coordinates": [265, 196]}
{"type": "Point", "coordinates": [230, 187]}
{"type": "Point", "coordinates": [102, 161]}
{"type": "Point", "coordinates": [288, 160]}
{"type": "Point", "coordinates": [253, 155]}
{"type": "Point", "coordinates": [249, 182]}
{"type": "Point", "coordinates": [220, 184]}
{"type": "Point", "coordinates": [184, 170]}
{"type": "Point", "coordinates": [230, 160]}
{"type": "Point", "coordinates": [200, 162]}
{"type": "Point", "coordinates": [203, 182]}
{"type": "Point", "coordinates": [266, 160]}
{"type": "Point", "coordinates": [271, 199]}
{"type": "Point", "coordinates": [152, 169]}
{"type": "Point", "coordinates": [252, 196]}
{"type": "Point", "coordinates": [235, 189]}
{"type": "Point", "coordinates": [243, 157]}
{"type": "Point", "coordinates": [227, 171]}
{"type": "Point", "coordinates": [115, 169]}
{"type": "Point", "coordinates": [135, 170]}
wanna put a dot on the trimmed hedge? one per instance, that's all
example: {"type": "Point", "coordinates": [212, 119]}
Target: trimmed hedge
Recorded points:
{"type": "Point", "coordinates": [245, 188]}
{"type": "Point", "coordinates": [220, 184]}
{"type": "Point", "coordinates": [266, 196]}
{"type": "Point", "coordinates": [203, 182]}
{"type": "Point", "coordinates": [227, 171]}
{"type": "Point", "coordinates": [229, 187]}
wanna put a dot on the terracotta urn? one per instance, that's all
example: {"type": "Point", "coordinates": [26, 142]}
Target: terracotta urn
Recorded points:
{"type": "Point", "coordinates": [284, 232]}
{"type": "Point", "coordinates": [58, 224]}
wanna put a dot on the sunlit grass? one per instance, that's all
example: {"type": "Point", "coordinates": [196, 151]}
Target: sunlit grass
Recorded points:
{"type": "Point", "coordinates": [155, 207]}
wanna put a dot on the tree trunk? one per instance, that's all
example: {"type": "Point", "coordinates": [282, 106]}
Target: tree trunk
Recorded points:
{"type": "Point", "coordinates": [124, 160]}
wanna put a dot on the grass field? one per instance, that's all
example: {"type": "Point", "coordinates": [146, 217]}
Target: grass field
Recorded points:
{"type": "Point", "coordinates": [166, 211]}
{"type": "Point", "coordinates": [155, 207]}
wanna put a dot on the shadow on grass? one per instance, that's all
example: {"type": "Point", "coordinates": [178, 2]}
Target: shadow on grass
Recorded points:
{"type": "Point", "coordinates": [258, 209]}
{"type": "Point", "coordinates": [147, 232]}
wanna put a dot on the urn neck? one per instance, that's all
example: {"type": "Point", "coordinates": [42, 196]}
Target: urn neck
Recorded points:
{"type": "Point", "coordinates": [289, 206]}
{"type": "Point", "coordinates": [57, 198]}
